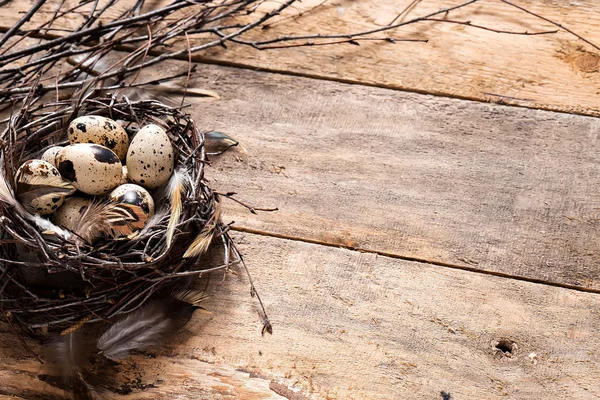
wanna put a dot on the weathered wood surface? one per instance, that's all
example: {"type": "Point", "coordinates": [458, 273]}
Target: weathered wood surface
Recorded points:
{"type": "Point", "coordinates": [480, 186]}
{"type": "Point", "coordinates": [395, 176]}
{"type": "Point", "coordinates": [557, 71]}
{"type": "Point", "coordinates": [350, 325]}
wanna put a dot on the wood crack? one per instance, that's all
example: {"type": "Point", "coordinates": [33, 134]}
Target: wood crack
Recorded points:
{"type": "Point", "coordinates": [419, 260]}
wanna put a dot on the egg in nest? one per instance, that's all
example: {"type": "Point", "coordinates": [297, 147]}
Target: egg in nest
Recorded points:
{"type": "Point", "coordinates": [99, 130]}
{"type": "Point", "coordinates": [40, 188]}
{"type": "Point", "coordinates": [150, 158]}
{"type": "Point", "coordinates": [134, 195]}
{"type": "Point", "coordinates": [91, 168]}
{"type": "Point", "coordinates": [69, 214]}
{"type": "Point", "coordinates": [50, 155]}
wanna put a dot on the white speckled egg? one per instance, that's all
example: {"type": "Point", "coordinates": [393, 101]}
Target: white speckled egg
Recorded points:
{"type": "Point", "coordinates": [135, 195]}
{"type": "Point", "coordinates": [99, 130]}
{"type": "Point", "coordinates": [50, 155]}
{"type": "Point", "coordinates": [40, 188]}
{"type": "Point", "coordinates": [124, 177]}
{"type": "Point", "coordinates": [91, 168]}
{"type": "Point", "coordinates": [69, 214]}
{"type": "Point", "coordinates": [150, 157]}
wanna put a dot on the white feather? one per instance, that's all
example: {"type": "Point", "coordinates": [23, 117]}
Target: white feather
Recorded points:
{"type": "Point", "coordinates": [48, 227]}
{"type": "Point", "coordinates": [145, 327]}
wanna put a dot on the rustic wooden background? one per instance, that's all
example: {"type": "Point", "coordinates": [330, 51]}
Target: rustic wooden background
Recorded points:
{"type": "Point", "coordinates": [419, 232]}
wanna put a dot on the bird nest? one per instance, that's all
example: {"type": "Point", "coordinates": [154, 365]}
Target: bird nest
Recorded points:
{"type": "Point", "coordinates": [52, 281]}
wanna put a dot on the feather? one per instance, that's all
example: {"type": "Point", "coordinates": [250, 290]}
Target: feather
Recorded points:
{"type": "Point", "coordinates": [150, 325]}
{"type": "Point", "coordinates": [48, 228]}
{"type": "Point", "coordinates": [153, 221]}
{"type": "Point", "coordinates": [8, 197]}
{"type": "Point", "coordinates": [39, 187]}
{"type": "Point", "coordinates": [202, 242]}
{"type": "Point", "coordinates": [179, 183]}
{"type": "Point", "coordinates": [67, 356]}
{"type": "Point", "coordinates": [33, 182]}
{"type": "Point", "coordinates": [110, 220]}
{"type": "Point", "coordinates": [218, 143]}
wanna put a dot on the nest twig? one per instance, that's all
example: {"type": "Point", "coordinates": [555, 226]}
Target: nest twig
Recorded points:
{"type": "Point", "coordinates": [115, 277]}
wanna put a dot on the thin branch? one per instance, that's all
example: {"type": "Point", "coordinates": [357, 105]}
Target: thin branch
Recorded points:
{"type": "Point", "coordinates": [311, 43]}
{"type": "Point", "coordinates": [406, 9]}
{"type": "Point", "coordinates": [21, 21]}
{"type": "Point", "coordinates": [551, 22]}
{"type": "Point", "coordinates": [468, 23]}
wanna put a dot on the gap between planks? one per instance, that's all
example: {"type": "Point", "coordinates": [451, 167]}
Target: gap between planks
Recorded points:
{"type": "Point", "coordinates": [416, 259]}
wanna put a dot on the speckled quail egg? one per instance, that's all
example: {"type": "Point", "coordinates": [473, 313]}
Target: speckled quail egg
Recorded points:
{"type": "Point", "coordinates": [50, 155]}
{"type": "Point", "coordinates": [135, 195]}
{"type": "Point", "coordinates": [124, 177]}
{"type": "Point", "coordinates": [69, 214]}
{"type": "Point", "coordinates": [150, 157]}
{"type": "Point", "coordinates": [99, 130]}
{"type": "Point", "coordinates": [40, 188]}
{"type": "Point", "coordinates": [91, 168]}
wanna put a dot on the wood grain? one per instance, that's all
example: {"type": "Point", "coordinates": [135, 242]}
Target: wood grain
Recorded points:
{"type": "Point", "coordinates": [350, 325]}
{"type": "Point", "coordinates": [556, 72]}
{"type": "Point", "coordinates": [487, 187]}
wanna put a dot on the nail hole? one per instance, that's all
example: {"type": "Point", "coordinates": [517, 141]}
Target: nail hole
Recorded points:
{"type": "Point", "coordinates": [505, 346]}
{"type": "Point", "coordinates": [445, 395]}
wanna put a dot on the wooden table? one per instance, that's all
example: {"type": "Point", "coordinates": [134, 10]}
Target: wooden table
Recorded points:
{"type": "Point", "coordinates": [430, 238]}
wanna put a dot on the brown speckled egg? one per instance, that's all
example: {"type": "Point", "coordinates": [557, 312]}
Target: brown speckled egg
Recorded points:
{"type": "Point", "coordinates": [150, 157]}
{"type": "Point", "coordinates": [91, 168]}
{"type": "Point", "coordinates": [135, 195]}
{"type": "Point", "coordinates": [40, 188]}
{"type": "Point", "coordinates": [99, 130]}
{"type": "Point", "coordinates": [69, 214]}
{"type": "Point", "coordinates": [50, 155]}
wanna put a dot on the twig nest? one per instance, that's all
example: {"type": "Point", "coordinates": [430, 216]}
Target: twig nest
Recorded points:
{"type": "Point", "coordinates": [134, 195]}
{"type": "Point", "coordinates": [150, 158]}
{"type": "Point", "coordinates": [99, 130]}
{"type": "Point", "coordinates": [40, 188]}
{"type": "Point", "coordinates": [110, 246]}
{"type": "Point", "coordinates": [91, 168]}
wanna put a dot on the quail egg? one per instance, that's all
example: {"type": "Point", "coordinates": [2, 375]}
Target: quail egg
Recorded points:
{"type": "Point", "coordinates": [124, 177]}
{"type": "Point", "coordinates": [91, 168]}
{"type": "Point", "coordinates": [99, 130]}
{"type": "Point", "coordinates": [69, 214]}
{"type": "Point", "coordinates": [40, 188]}
{"type": "Point", "coordinates": [50, 155]}
{"type": "Point", "coordinates": [134, 195]}
{"type": "Point", "coordinates": [150, 157]}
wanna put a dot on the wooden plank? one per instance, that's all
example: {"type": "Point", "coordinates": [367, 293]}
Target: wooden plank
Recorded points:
{"type": "Point", "coordinates": [487, 187]}
{"type": "Point", "coordinates": [483, 187]}
{"type": "Point", "coordinates": [350, 325]}
{"type": "Point", "coordinates": [143, 377]}
{"type": "Point", "coordinates": [556, 72]}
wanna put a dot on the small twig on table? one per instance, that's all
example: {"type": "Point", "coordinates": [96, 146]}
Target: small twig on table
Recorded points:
{"type": "Point", "coordinates": [552, 22]}
{"type": "Point", "coordinates": [187, 79]}
{"type": "Point", "coordinates": [468, 23]}
{"type": "Point", "coordinates": [253, 210]}
{"type": "Point", "coordinates": [316, 44]}
{"type": "Point", "coordinates": [294, 17]}
{"type": "Point", "coordinates": [405, 10]}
